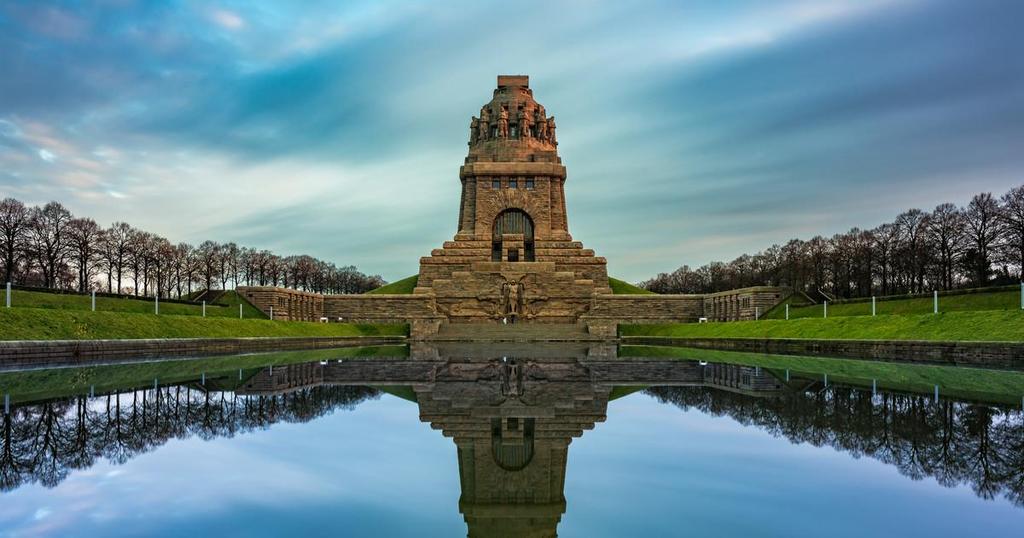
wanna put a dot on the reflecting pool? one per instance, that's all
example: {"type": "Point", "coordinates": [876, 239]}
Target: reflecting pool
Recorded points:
{"type": "Point", "coordinates": [512, 440]}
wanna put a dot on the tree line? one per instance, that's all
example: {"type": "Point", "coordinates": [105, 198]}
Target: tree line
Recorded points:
{"type": "Point", "coordinates": [950, 247]}
{"type": "Point", "coordinates": [51, 248]}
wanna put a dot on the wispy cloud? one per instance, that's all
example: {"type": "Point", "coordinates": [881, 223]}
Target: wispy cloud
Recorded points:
{"type": "Point", "coordinates": [692, 131]}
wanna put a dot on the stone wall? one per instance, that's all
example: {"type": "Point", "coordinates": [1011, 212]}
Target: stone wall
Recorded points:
{"type": "Point", "coordinates": [743, 304]}
{"type": "Point", "coordinates": [286, 304]}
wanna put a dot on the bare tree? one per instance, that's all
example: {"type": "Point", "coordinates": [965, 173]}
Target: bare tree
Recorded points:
{"type": "Point", "coordinates": [946, 234]}
{"type": "Point", "coordinates": [84, 238]}
{"type": "Point", "coordinates": [1012, 215]}
{"type": "Point", "coordinates": [116, 252]}
{"type": "Point", "coordinates": [982, 229]}
{"type": "Point", "coordinates": [48, 238]}
{"type": "Point", "coordinates": [14, 223]}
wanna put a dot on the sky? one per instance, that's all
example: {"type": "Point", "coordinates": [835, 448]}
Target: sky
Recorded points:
{"type": "Point", "coordinates": [691, 131]}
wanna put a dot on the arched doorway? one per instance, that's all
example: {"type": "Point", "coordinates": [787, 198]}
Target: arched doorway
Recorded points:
{"type": "Point", "coordinates": [512, 221]}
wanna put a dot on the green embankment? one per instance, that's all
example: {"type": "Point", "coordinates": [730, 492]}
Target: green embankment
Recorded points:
{"type": "Point", "coordinates": [1003, 326]}
{"type": "Point", "coordinates": [621, 287]}
{"type": "Point", "coordinates": [967, 383]}
{"type": "Point", "coordinates": [226, 307]}
{"type": "Point", "coordinates": [220, 372]}
{"type": "Point", "coordinates": [955, 301]}
{"type": "Point", "coordinates": [404, 286]}
{"type": "Point", "coordinates": [59, 324]}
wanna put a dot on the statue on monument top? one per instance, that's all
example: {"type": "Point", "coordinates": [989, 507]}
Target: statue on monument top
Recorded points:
{"type": "Point", "coordinates": [503, 123]}
{"type": "Point", "coordinates": [551, 131]}
{"type": "Point", "coordinates": [484, 131]}
{"type": "Point", "coordinates": [474, 130]}
{"type": "Point", "coordinates": [525, 130]}
{"type": "Point", "coordinates": [542, 124]}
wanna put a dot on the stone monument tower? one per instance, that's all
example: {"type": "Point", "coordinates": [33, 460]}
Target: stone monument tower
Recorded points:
{"type": "Point", "coordinates": [512, 257]}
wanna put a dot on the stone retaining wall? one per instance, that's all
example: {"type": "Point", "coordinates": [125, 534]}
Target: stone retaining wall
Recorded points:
{"type": "Point", "coordinates": [20, 354]}
{"type": "Point", "coordinates": [1005, 355]}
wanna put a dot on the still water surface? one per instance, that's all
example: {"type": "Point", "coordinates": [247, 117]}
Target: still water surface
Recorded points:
{"type": "Point", "coordinates": [500, 442]}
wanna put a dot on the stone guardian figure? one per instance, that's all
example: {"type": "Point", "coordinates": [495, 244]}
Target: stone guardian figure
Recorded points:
{"type": "Point", "coordinates": [503, 124]}
{"type": "Point", "coordinates": [525, 124]}
{"type": "Point", "coordinates": [542, 124]}
{"type": "Point", "coordinates": [474, 130]}
{"type": "Point", "coordinates": [551, 131]}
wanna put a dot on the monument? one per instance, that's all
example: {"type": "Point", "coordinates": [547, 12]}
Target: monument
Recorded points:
{"type": "Point", "coordinates": [512, 259]}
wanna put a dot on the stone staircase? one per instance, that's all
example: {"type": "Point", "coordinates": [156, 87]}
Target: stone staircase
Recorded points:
{"type": "Point", "coordinates": [514, 332]}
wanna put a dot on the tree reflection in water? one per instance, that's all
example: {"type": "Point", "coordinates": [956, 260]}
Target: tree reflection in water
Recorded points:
{"type": "Point", "coordinates": [953, 442]}
{"type": "Point", "coordinates": [44, 442]}
{"type": "Point", "coordinates": [523, 415]}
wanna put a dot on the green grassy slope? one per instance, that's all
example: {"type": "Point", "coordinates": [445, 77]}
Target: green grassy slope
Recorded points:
{"type": "Point", "coordinates": [1005, 326]}
{"type": "Point", "coordinates": [227, 307]}
{"type": "Point", "coordinates": [970, 383]}
{"type": "Point", "coordinates": [998, 299]}
{"type": "Point", "coordinates": [404, 286]}
{"type": "Point", "coordinates": [58, 324]}
{"type": "Point", "coordinates": [621, 287]}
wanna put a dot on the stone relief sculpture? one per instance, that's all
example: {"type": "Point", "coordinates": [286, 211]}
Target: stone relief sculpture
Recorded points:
{"type": "Point", "coordinates": [551, 131]}
{"type": "Point", "coordinates": [474, 128]}
{"type": "Point", "coordinates": [503, 124]}
{"type": "Point", "coordinates": [512, 293]}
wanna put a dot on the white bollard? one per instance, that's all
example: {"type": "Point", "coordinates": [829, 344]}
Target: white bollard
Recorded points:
{"type": "Point", "coordinates": [787, 311]}
{"type": "Point", "coordinates": [156, 303]}
{"type": "Point", "coordinates": [204, 309]}
{"type": "Point", "coordinates": [239, 310]}
{"type": "Point", "coordinates": [825, 310]}
{"type": "Point", "coordinates": [872, 305]}
{"type": "Point", "coordinates": [9, 294]}
{"type": "Point", "coordinates": [935, 302]}
{"type": "Point", "coordinates": [93, 300]}
{"type": "Point", "coordinates": [271, 313]}
{"type": "Point", "coordinates": [1022, 295]}
{"type": "Point", "coordinates": [757, 312]}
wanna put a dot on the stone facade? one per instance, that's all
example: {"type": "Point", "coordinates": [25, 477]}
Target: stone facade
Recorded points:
{"type": "Point", "coordinates": [512, 257]}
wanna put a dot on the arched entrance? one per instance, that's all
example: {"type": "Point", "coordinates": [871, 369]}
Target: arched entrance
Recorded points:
{"type": "Point", "coordinates": [512, 221]}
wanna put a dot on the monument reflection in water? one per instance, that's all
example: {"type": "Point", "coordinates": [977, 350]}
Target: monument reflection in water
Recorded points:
{"type": "Point", "coordinates": [512, 416]}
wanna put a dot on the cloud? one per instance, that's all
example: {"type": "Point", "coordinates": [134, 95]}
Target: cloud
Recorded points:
{"type": "Point", "coordinates": [227, 19]}
{"type": "Point", "coordinates": [692, 131]}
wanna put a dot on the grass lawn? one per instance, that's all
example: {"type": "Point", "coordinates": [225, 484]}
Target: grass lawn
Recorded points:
{"type": "Point", "coordinates": [59, 324]}
{"type": "Point", "coordinates": [1003, 326]}
{"type": "Point", "coordinates": [404, 286]}
{"type": "Point", "coordinates": [228, 307]}
{"type": "Point", "coordinates": [967, 383]}
{"type": "Point", "coordinates": [621, 287]}
{"type": "Point", "coordinates": [222, 373]}
{"type": "Point", "coordinates": [1000, 299]}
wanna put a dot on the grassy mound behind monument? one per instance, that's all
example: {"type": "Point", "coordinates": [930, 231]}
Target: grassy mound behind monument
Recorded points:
{"type": "Point", "coordinates": [993, 326]}
{"type": "Point", "coordinates": [398, 287]}
{"type": "Point", "coordinates": [621, 287]}
{"type": "Point", "coordinates": [62, 324]}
